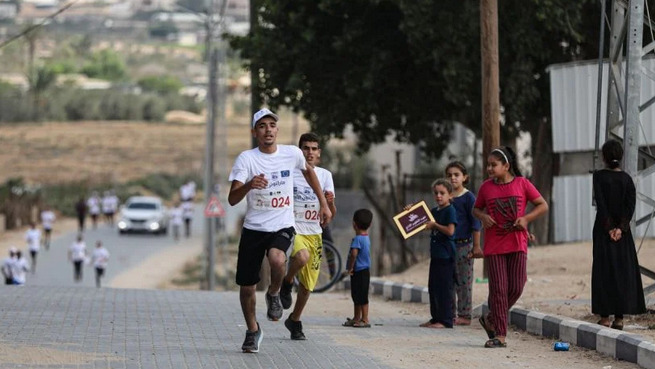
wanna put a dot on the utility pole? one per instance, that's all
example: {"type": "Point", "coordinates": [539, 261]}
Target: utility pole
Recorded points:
{"type": "Point", "coordinates": [255, 99]}
{"type": "Point", "coordinates": [214, 24]}
{"type": "Point", "coordinates": [490, 83]}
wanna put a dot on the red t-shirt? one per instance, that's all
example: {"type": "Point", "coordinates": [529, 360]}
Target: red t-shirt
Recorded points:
{"type": "Point", "coordinates": [505, 203]}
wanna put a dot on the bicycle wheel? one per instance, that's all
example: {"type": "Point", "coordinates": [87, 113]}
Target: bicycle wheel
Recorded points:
{"type": "Point", "coordinates": [331, 267]}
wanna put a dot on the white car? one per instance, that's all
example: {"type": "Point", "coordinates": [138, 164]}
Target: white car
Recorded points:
{"type": "Point", "coordinates": [143, 214]}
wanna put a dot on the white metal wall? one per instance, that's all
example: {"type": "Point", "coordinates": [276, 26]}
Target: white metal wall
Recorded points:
{"type": "Point", "coordinates": [573, 213]}
{"type": "Point", "coordinates": [573, 90]}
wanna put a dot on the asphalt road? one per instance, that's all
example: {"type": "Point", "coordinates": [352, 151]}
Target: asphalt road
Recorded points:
{"type": "Point", "coordinates": [126, 251]}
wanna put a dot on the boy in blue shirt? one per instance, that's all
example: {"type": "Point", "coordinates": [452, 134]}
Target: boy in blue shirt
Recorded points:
{"type": "Point", "coordinates": [359, 264]}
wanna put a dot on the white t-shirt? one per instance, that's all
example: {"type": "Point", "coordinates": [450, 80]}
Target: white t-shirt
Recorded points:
{"type": "Point", "coordinates": [47, 218]}
{"type": "Point", "coordinates": [109, 204]}
{"type": "Point", "coordinates": [187, 210]}
{"type": "Point", "coordinates": [270, 209]}
{"type": "Point", "coordinates": [19, 270]}
{"type": "Point", "coordinates": [94, 205]}
{"type": "Point", "coordinates": [176, 216]}
{"type": "Point", "coordinates": [306, 207]}
{"type": "Point", "coordinates": [33, 238]}
{"type": "Point", "coordinates": [8, 266]}
{"type": "Point", "coordinates": [100, 258]}
{"type": "Point", "coordinates": [78, 251]}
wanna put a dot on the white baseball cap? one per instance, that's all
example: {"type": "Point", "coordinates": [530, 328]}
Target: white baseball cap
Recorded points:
{"type": "Point", "coordinates": [261, 114]}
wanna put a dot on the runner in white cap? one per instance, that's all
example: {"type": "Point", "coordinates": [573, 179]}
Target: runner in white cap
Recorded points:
{"type": "Point", "coordinates": [264, 176]}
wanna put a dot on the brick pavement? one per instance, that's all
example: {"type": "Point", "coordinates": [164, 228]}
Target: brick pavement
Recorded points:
{"type": "Point", "coordinates": [121, 328]}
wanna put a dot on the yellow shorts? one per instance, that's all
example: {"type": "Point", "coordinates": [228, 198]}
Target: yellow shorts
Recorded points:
{"type": "Point", "coordinates": [308, 275]}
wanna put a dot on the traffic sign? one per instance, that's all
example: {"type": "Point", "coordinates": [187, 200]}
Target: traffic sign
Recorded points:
{"type": "Point", "coordinates": [214, 208]}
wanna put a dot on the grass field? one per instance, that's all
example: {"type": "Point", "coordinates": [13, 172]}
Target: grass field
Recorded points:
{"type": "Point", "coordinates": [114, 152]}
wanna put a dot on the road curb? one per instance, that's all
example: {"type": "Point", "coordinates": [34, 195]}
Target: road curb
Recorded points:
{"type": "Point", "coordinates": [617, 344]}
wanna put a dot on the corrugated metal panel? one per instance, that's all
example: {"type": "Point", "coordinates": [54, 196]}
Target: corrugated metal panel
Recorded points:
{"type": "Point", "coordinates": [573, 214]}
{"type": "Point", "coordinates": [573, 104]}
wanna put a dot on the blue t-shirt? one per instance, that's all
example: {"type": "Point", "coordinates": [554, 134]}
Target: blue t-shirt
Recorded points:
{"type": "Point", "coordinates": [466, 222]}
{"type": "Point", "coordinates": [363, 244]}
{"type": "Point", "coordinates": [442, 246]}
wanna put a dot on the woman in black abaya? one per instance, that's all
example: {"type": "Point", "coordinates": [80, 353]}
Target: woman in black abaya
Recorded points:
{"type": "Point", "coordinates": [616, 287]}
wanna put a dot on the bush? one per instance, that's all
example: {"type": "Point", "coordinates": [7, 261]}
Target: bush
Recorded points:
{"type": "Point", "coordinates": [162, 85]}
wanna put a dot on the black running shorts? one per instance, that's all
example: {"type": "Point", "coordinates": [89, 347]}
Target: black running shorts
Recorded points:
{"type": "Point", "coordinates": [359, 283]}
{"type": "Point", "coordinates": [252, 248]}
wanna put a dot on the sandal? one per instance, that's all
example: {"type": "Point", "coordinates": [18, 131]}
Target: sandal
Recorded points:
{"type": "Point", "coordinates": [490, 332]}
{"type": "Point", "coordinates": [616, 325]}
{"type": "Point", "coordinates": [349, 322]}
{"type": "Point", "coordinates": [607, 324]}
{"type": "Point", "coordinates": [462, 321]}
{"type": "Point", "coordinates": [495, 343]}
{"type": "Point", "coordinates": [361, 324]}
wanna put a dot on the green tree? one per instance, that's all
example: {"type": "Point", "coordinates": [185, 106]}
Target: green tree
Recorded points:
{"type": "Point", "coordinates": [412, 67]}
{"type": "Point", "coordinates": [105, 64]}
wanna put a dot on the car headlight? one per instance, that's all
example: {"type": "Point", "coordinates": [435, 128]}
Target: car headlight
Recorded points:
{"type": "Point", "coordinates": [122, 224]}
{"type": "Point", "coordinates": [154, 226]}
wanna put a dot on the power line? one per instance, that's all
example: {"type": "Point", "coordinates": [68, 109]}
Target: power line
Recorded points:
{"type": "Point", "coordinates": [38, 25]}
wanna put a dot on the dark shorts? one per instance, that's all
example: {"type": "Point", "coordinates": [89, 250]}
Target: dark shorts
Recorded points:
{"type": "Point", "coordinates": [100, 272]}
{"type": "Point", "coordinates": [252, 248]}
{"type": "Point", "coordinates": [47, 230]}
{"type": "Point", "coordinates": [33, 253]}
{"type": "Point", "coordinates": [359, 283]}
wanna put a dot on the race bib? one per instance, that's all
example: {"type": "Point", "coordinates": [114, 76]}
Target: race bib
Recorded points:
{"type": "Point", "coordinates": [307, 212]}
{"type": "Point", "coordinates": [271, 200]}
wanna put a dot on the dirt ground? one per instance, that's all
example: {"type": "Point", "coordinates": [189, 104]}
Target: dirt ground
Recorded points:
{"type": "Point", "coordinates": [559, 282]}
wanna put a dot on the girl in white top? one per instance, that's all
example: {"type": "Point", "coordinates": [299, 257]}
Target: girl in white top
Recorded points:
{"type": "Point", "coordinates": [93, 203]}
{"type": "Point", "coordinates": [33, 238]}
{"type": "Point", "coordinates": [77, 255]}
{"type": "Point", "coordinates": [47, 219]}
{"type": "Point", "coordinates": [100, 257]}
{"type": "Point", "coordinates": [19, 269]}
{"type": "Point", "coordinates": [176, 215]}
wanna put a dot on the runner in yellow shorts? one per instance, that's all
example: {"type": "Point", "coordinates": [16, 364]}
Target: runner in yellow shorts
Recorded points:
{"type": "Point", "coordinates": [313, 243]}
{"type": "Point", "coordinates": [307, 246]}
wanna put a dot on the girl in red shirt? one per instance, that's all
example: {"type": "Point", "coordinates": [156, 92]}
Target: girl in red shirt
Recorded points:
{"type": "Point", "coordinates": [500, 206]}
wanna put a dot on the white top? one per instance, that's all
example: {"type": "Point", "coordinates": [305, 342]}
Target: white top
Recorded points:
{"type": "Point", "coordinates": [47, 218]}
{"type": "Point", "coordinates": [100, 257]}
{"type": "Point", "coordinates": [78, 251]}
{"type": "Point", "coordinates": [176, 216]}
{"type": "Point", "coordinates": [93, 203]}
{"type": "Point", "coordinates": [306, 207]}
{"type": "Point", "coordinates": [187, 210]}
{"type": "Point", "coordinates": [187, 191]}
{"type": "Point", "coordinates": [270, 209]}
{"type": "Point", "coordinates": [109, 204]}
{"type": "Point", "coordinates": [19, 269]}
{"type": "Point", "coordinates": [8, 266]}
{"type": "Point", "coordinates": [33, 238]}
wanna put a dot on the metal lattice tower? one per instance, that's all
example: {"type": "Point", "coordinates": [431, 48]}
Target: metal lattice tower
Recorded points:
{"type": "Point", "coordinates": [626, 19]}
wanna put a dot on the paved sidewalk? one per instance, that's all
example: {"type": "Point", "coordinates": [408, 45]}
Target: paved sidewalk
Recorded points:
{"type": "Point", "coordinates": [79, 327]}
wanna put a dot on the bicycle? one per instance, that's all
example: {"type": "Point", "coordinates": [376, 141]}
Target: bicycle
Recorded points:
{"type": "Point", "coordinates": [330, 269]}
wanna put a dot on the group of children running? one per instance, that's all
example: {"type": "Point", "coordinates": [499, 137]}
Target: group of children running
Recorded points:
{"type": "Point", "coordinates": [500, 208]}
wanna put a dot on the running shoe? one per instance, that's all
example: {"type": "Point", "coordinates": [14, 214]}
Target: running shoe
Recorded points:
{"type": "Point", "coordinates": [274, 307]}
{"type": "Point", "coordinates": [296, 329]}
{"type": "Point", "coordinates": [253, 340]}
{"type": "Point", "coordinates": [285, 294]}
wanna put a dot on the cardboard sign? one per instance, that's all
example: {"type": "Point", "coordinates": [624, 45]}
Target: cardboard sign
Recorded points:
{"type": "Point", "coordinates": [412, 221]}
